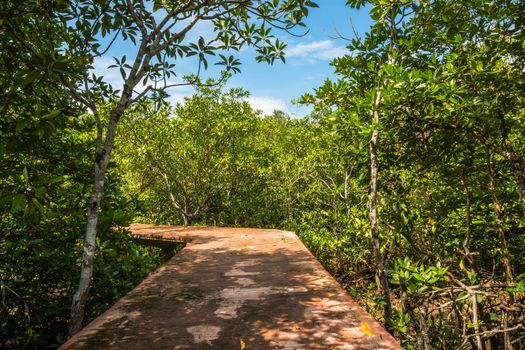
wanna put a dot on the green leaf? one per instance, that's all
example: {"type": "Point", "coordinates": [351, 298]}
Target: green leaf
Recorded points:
{"type": "Point", "coordinates": [31, 77]}
{"type": "Point", "coordinates": [52, 114]}
{"type": "Point", "coordinates": [19, 203]}
{"type": "Point", "coordinates": [37, 204]}
{"type": "Point", "coordinates": [21, 125]}
{"type": "Point", "coordinates": [479, 298]}
{"type": "Point", "coordinates": [157, 5]}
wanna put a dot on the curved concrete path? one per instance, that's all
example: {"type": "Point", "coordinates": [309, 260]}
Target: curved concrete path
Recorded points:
{"type": "Point", "coordinates": [234, 289]}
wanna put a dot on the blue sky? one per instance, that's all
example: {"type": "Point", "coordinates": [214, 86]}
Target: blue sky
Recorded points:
{"type": "Point", "coordinates": [307, 59]}
{"type": "Point", "coordinates": [273, 87]}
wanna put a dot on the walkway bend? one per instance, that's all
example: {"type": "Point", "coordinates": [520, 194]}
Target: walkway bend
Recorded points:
{"type": "Point", "coordinates": [234, 288]}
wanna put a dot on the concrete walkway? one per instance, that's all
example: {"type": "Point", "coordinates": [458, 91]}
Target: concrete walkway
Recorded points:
{"type": "Point", "coordinates": [234, 289]}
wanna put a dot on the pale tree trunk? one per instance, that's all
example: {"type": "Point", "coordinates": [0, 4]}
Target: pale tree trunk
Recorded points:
{"type": "Point", "coordinates": [499, 221]}
{"type": "Point", "coordinates": [376, 239]}
{"type": "Point", "coordinates": [102, 157]}
{"type": "Point", "coordinates": [80, 297]}
{"type": "Point", "coordinates": [374, 167]}
{"type": "Point", "coordinates": [182, 211]}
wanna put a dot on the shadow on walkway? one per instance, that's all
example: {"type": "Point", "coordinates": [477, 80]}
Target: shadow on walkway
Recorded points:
{"type": "Point", "coordinates": [259, 286]}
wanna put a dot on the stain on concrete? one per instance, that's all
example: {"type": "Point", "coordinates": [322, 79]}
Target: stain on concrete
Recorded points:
{"type": "Point", "coordinates": [233, 299]}
{"type": "Point", "coordinates": [204, 333]}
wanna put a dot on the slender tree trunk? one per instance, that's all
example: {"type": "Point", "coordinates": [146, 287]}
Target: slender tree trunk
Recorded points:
{"type": "Point", "coordinates": [80, 297]}
{"type": "Point", "coordinates": [514, 161]}
{"type": "Point", "coordinates": [468, 234]}
{"type": "Point", "coordinates": [376, 239]}
{"type": "Point", "coordinates": [475, 321]}
{"type": "Point", "coordinates": [176, 205]}
{"type": "Point", "coordinates": [178, 208]}
{"type": "Point", "coordinates": [520, 179]}
{"type": "Point", "coordinates": [499, 220]}
{"type": "Point", "coordinates": [185, 220]}
{"type": "Point", "coordinates": [408, 309]}
{"type": "Point", "coordinates": [102, 157]}
{"type": "Point", "coordinates": [507, 343]}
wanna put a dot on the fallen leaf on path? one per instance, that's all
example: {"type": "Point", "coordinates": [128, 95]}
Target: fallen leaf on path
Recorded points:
{"type": "Point", "coordinates": [365, 329]}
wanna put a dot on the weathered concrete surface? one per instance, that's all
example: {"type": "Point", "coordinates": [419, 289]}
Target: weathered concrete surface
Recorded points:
{"type": "Point", "coordinates": [259, 286]}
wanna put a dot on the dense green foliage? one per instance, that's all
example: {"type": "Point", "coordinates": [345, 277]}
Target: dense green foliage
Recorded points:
{"type": "Point", "coordinates": [45, 182]}
{"type": "Point", "coordinates": [213, 160]}
{"type": "Point", "coordinates": [442, 83]}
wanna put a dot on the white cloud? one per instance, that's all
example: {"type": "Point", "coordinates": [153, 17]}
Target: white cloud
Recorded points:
{"type": "Point", "coordinates": [110, 75]}
{"type": "Point", "coordinates": [177, 94]}
{"type": "Point", "coordinates": [267, 104]}
{"type": "Point", "coordinates": [322, 50]}
{"type": "Point", "coordinates": [202, 28]}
